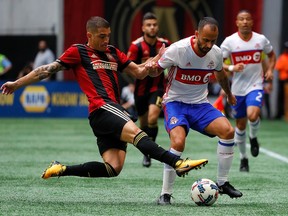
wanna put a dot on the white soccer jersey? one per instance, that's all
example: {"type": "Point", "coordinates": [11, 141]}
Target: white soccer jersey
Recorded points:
{"type": "Point", "coordinates": [189, 74]}
{"type": "Point", "coordinates": [248, 52]}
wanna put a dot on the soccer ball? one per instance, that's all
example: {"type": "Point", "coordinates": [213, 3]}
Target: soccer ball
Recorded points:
{"type": "Point", "coordinates": [204, 192]}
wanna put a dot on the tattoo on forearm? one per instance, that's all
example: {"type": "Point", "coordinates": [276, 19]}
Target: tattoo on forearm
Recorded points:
{"type": "Point", "coordinates": [46, 71]}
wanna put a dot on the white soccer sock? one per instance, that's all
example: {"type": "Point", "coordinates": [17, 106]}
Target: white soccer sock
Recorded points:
{"type": "Point", "coordinates": [169, 175]}
{"type": "Point", "coordinates": [240, 141]}
{"type": "Point", "coordinates": [225, 152]}
{"type": "Point", "coordinates": [253, 128]}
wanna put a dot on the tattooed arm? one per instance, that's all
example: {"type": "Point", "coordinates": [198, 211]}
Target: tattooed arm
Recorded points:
{"type": "Point", "coordinates": [34, 76]}
{"type": "Point", "coordinates": [222, 78]}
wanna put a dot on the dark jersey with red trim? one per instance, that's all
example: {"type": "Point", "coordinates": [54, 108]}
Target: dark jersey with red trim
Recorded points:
{"type": "Point", "coordinates": [96, 72]}
{"type": "Point", "coordinates": [139, 51]}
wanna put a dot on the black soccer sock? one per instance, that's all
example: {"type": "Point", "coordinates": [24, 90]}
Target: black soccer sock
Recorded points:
{"type": "Point", "coordinates": [148, 147]}
{"type": "Point", "coordinates": [92, 169]}
{"type": "Point", "coordinates": [152, 131]}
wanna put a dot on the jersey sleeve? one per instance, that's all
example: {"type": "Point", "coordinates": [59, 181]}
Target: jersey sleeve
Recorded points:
{"type": "Point", "coordinates": [267, 46]}
{"type": "Point", "coordinates": [225, 49]}
{"type": "Point", "coordinates": [169, 58]}
{"type": "Point", "coordinates": [70, 57]}
{"type": "Point", "coordinates": [123, 60]}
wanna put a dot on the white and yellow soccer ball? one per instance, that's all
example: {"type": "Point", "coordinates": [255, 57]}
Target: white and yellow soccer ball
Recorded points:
{"type": "Point", "coordinates": [204, 192]}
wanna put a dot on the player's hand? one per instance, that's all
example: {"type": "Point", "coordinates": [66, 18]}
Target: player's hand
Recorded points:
{"type": "Point", "coordinates": [239, 67]}
{"type": "Point", "coordinates": [162, 50]}
{"type": "Point", "coordinates": [8, 88]}
{"type": "Point", "coordinates": [231, 99]}
{"type": "Point", "coordinates": [269, 75]}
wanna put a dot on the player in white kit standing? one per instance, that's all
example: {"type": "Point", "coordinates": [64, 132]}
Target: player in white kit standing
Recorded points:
{"type": "Point", "coordinates": [191, 61]}
{"type": "Point", "coordinates": [244, 49]}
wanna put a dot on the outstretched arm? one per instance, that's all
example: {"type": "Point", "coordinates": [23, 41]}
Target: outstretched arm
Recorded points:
{"type": "Point", "coordinates": [34, 76]}
{"type": "Point", "coordinates": [146, 68]}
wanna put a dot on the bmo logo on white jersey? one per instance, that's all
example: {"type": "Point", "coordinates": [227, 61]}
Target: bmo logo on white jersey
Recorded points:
{"type": "Point", "coordinates": [247, 57]}
{"type": "Point", "coordinates": [195, 77]}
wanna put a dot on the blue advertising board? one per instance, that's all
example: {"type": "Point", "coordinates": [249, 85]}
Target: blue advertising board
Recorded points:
{"type": "Point", "coordinates": [45, 99]}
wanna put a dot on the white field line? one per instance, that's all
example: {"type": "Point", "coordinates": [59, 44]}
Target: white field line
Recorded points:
{"type": "Point", "coordinates": [271, 154]}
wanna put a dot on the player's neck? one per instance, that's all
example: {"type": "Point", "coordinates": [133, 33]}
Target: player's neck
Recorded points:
{"type": "Point", "coordinates": [151, 41]}
{"type": "Point", "coordinates": [245, 36]}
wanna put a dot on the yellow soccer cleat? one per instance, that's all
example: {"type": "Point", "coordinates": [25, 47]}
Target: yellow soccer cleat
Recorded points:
{"type": "Point", "coordinates": [55, 169]}
{"type": "Point", "coordinates": [184, 166]}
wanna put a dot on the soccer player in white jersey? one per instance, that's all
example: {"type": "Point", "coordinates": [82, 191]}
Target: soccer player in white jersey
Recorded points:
{"type": "Point", "coordinates": [191, 61]}
{"type": "Point", "coordinates": [244, 49]}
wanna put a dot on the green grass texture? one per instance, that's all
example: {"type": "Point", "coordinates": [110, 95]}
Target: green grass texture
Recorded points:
{"type": "Point", "coordinates": [27, 146]}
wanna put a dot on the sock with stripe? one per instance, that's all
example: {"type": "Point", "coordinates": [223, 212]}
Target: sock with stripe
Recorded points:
{"type": "Point", "coordinates": [169, 175]}
{"type": "Point", "coordinates": [150, 148]}
{"type": "Point", "coordinates": [240, 140]}
{"type": "Point", "coordinates": [253, 128]}
{"type": "Point", "coordinates": [225, 153]}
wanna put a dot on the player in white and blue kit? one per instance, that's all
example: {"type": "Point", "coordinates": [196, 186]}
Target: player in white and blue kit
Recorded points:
{"type": "Point", "coordinates": [244, 49]}
{"type": "Point", "coordinates": [191, 62]}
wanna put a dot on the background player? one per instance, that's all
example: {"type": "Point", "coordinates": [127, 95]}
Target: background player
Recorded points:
{"type": "Point", "coordinates": [148, 91]}
{"type": "Point", "coordinates": [244, 49]}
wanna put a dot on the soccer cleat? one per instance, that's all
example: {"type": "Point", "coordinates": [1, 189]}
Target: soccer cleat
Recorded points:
{"type": "Point", "coordinates": [254, 145]}
{"type": "Point", "coordinates": [164, 199]}
{"type": "Point", "coordinates": [54, 169]}
{"type": "Point", "coordinates": [228, 189]}
{"type": "Point", "coordinates": [146, 161]}
{"type": "Point", "coordinates": [182, 167]}
{"type": "Point", "coordinates": [244, 166]}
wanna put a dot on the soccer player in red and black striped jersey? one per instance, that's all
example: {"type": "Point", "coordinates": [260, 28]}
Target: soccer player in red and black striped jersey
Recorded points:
{"type": "Point", "coordinates": [148, 91]}
{"type": "Point", "coordinates": [96, 66]}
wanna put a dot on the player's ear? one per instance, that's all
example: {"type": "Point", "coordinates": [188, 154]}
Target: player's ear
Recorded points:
{"type": "Point", "coordinates": [89, 35]}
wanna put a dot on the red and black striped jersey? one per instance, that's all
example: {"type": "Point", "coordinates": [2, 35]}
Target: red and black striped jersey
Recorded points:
{"type": "Point", "coordinates": [139, 51]}
{"type": "Point", "coordinates": [96, 72]}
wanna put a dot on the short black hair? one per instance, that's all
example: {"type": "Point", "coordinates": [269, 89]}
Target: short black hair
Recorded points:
{"type": "Point", "coordinates": [244, 11]}
{"type": "Point", "coordinates": [207, 21]}
{"type": "Point", "coordinates": [149, 15]}
{"type": "Point", "coordinates": [96, 22]}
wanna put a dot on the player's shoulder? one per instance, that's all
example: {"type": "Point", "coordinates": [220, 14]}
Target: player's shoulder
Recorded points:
{"type": "Point", "coordinates": [163, 40]}
{"type": "Point", "coordinates": [232, 37]}
{"type": "Point", "coordinates": [112, 48]}
{"type": "Point", "coordinates": [138, 40]}
{"type": "Point", "coordinates": [258, 35]}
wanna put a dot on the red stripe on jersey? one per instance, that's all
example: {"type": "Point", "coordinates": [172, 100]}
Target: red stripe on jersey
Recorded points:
{"type": "Point", "coordinates": [247, 57]}
{"type": "Point", "coordinates": [193, 76]}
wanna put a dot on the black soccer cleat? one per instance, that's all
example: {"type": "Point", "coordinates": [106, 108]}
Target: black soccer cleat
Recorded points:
{"type": "Point", "coordinates": [164, 199]}
{"type": "Point", "coordinates": [146, 161]}
{"type": "Point", "coordinates": [228, 189]}
{"type": "Point", "coordinates": [254, 146]}
{"type": "Point", "coordinates": [244, 165]}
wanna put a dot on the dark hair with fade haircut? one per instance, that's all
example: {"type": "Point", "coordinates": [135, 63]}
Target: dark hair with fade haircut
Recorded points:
{"type": "Point", "coordinates": [244, 11]}
{"type": "Point", "coordinates": [207, 21]}
{"type": "Point", "coordinates": [96, 22]}
{"type": "Point", "coordinates": [149, 15]}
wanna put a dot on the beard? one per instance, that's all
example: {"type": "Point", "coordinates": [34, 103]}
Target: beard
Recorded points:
{"type": "Point", "coordinates": [151, 35]}
{"type": "Point", "coordinates": [203, 49]}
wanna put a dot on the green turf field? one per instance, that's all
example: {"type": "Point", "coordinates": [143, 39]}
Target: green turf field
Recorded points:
{"type": "Point", "coordinates": [27, 146]}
